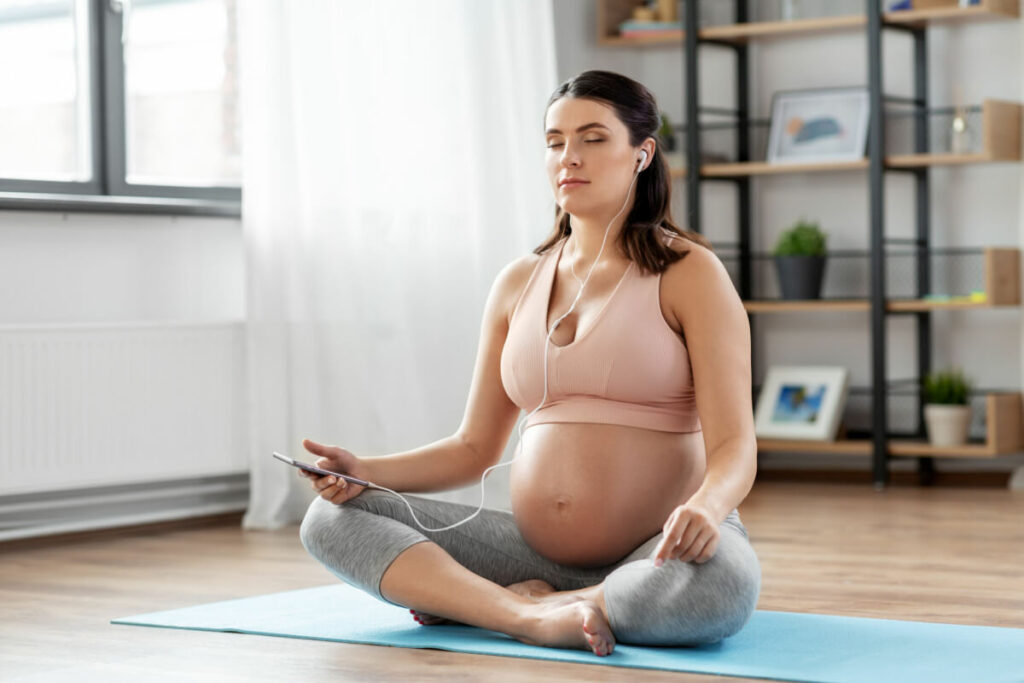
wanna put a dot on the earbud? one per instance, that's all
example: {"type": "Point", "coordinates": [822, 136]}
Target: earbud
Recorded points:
{"type": "Point", "coordinates": [643, 160]}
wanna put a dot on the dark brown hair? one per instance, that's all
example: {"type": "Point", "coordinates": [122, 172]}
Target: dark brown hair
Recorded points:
{"type": "Point", "coordinates": [635, 106]}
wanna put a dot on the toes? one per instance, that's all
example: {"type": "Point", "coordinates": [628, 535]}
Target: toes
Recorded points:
{"type": "Point", "coordinates": [597, 632]}
{"type": "Point", "coordinates": [596, 643]}
{"type": "Point", "coordinates": [425, 619]}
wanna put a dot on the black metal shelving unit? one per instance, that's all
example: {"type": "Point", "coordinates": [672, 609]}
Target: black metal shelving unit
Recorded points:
{"type": "Point", "coordinates": [875, 25]}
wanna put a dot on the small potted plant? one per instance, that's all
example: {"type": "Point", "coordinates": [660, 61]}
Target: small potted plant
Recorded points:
{"type": "Point", "coordinates": [947, 413]}
{"type": "Point", "coordinates": [800, 260]}
{"type": "Point", "coordinates": [666, 133]}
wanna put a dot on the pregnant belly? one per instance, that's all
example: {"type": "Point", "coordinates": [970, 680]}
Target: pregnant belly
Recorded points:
{"type": "Point", "coordinates": [588, 494]}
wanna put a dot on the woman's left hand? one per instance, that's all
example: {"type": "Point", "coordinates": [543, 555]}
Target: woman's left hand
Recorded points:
{"type": "Point", "coordinates": [689, 534]}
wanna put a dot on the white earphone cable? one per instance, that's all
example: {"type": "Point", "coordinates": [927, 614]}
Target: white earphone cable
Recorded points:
{"type": "Point", "coordinates": [547, 341]}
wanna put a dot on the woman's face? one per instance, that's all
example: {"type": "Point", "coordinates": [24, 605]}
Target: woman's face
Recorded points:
{"type": "Point", "coordinates": [586, 140]}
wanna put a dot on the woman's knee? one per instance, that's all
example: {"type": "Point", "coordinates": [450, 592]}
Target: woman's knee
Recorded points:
{"type": "Point", "coordinates": [325, 522]}
{"type": "Point", "coordinates": [320, 520]}
{"type": "Point", "coordinates": [725, 594]}
{"type": "Point", "coordinates": [685, 604]}
{"type": "Point", "coordinates": [329, 529]}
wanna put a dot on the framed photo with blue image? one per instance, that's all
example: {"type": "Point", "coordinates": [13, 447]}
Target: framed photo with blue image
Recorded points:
{"type": "Point", "coordinates": [901, 5]}
{"type": "Point", "coordinates": [813, 126]}
{"type": "Point", "coordinates": [801, 402]}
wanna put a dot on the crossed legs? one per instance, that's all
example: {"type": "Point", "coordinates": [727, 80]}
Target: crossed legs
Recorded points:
{"type": "Point", "coordinates": [483, 573]}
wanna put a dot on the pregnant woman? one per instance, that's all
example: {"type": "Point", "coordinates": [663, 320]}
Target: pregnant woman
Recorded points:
{"type": "Point", "coordinates": [640, 444]}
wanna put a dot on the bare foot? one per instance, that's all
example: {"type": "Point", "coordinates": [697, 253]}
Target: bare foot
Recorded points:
{"type": "Point", "coordinates": [531, 588]}
{"type": "Point", "coordinates": [574, 623]}
{"type": "Point", "coordinates": [565, 621]}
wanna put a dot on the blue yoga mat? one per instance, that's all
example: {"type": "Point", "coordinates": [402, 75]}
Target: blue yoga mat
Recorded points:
{"type": "Point", "coordinates": [775, 645]}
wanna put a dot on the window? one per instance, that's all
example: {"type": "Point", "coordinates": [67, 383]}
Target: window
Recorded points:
{"type": "Point", "coordinates": [120, 103]}
{"type": "Point", "coordinates": [44, 109]}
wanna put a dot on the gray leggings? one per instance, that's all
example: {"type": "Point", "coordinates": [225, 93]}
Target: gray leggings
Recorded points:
{"type": "Point", "coordinates": [676, 604]}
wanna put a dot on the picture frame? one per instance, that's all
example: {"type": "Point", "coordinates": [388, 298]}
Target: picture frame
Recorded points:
{"type": "Point", "coordinates": [801, 402]}
{"type": "Point", "coordinates": [821, 125]}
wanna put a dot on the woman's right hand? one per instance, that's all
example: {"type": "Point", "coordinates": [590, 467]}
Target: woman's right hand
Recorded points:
{"type": "Point", "coordinates": [335, 459]}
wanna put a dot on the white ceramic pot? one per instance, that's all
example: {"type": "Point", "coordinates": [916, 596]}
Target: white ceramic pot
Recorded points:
{"type": "Point", "coordinates": [947, 425]}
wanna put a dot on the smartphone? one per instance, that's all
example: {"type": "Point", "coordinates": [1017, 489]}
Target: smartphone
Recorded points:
{"type": "Point", "coordinates": [316, 470]}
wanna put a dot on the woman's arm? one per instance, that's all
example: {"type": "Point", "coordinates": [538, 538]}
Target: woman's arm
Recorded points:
{"type": "Point", "coordinates": [460, 459]}
{"type": "Point", "coordinates": [717, 334]}
{"type": "Point", "coordinates": [448, 463]}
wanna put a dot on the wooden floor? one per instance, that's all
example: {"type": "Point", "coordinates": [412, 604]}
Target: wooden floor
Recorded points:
{"type": "Point", "coordinates": [930, 554]}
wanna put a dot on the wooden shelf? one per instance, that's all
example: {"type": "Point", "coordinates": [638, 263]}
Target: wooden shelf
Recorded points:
{"type": "Point", "coordinates": [748, 168]}
{"type": "Point", "coordinates": [1001, 141]}
{"type": "Point", "coordinates": [1002, 286]}
{"type": "Point", "coordinates": [841, 446]}
{"type": "Point", "coordinates": [741, 33]}
{"type": "Point", "coordinates": [934, 11]}
{"type": "Point", "coordinates": [922, 160]}
{"type": "Point", "coordinates": [612, 12]}
{"type": "Point", "coordinates": [763, 168]}
{"type": "Point", "coordinates": [1004, 436]}
{"type": "Point", "coordinates": [925, 449]}
{"type": "Point", "coordinates": [1001, 267]}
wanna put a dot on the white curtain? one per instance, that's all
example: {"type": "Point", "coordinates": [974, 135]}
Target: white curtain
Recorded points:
{"type": "Point", "coordinates": [393, 164]}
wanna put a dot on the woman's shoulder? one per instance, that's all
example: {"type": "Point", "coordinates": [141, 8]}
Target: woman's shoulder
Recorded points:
{"type": "Point", "coordinates": [697, 270]}
{"type": "Point", "coordinates": [517, 272]}
{"type": "Point", "coordinates": [511, 282]}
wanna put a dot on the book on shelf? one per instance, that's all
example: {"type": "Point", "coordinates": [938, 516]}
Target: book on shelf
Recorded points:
{"type": "Point", "coordinates": [634, 29]}
{"type": "Point", "coordinates": [977, 297]}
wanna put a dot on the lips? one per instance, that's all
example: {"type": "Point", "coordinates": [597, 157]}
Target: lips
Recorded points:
{"type": "Point", "coordinates": [572, 182]}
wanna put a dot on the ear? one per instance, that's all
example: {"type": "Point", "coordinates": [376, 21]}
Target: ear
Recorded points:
{"type": "Point", "coordinates": [649, 145]}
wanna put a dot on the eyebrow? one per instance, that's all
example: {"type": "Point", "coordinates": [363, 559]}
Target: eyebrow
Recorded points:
{"type": "Point", "coordinates": [582, 128]}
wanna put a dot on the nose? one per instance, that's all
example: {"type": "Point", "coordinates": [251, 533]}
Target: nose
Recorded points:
{"type": "Point", "coordinates": [570, 157]}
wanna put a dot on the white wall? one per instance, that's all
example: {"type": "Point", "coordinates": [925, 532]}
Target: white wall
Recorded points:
{"type": "Point", "coordinates": [63, 268]}
{"type": "Point", "coordinates": [972, 205]}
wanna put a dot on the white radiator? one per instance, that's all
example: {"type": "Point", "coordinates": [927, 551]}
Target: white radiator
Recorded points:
{"type": "Point", "coordinates": [115, 425]}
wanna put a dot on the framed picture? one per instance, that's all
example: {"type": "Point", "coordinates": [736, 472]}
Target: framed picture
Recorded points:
{"type": "Point", "coordinates": [801, 402]}
{"type": "Point", "coordinates": [810, 126]}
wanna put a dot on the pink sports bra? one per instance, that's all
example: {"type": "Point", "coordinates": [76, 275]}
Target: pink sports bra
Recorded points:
{"type": "Point", "coordinates": [628, 367]}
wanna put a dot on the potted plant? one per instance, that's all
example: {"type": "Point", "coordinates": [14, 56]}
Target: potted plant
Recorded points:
{"type": "Point", "coordinates": [947, 413]}
{"type": "Point", "coordinates": [800, 260]}
{"type": "Point", "coordinates": [666, 133]}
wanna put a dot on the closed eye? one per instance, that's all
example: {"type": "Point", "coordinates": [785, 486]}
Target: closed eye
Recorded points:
{"type": "Point", "coordinates": [560, 144]}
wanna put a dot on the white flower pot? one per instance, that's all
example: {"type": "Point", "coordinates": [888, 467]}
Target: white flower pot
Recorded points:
{"type": "Point", "coordinates": [947, 425]}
